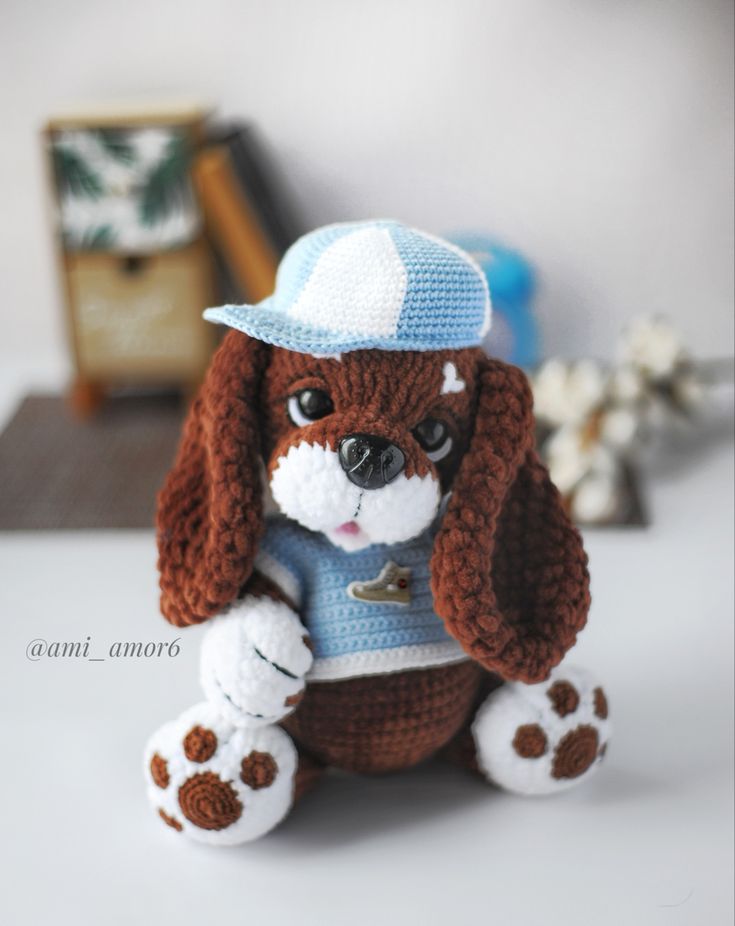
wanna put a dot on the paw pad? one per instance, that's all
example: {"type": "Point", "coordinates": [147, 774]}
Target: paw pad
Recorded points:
{"type": "Point", "coordinates": [530, 741]}
{"type": "Point", "coordinates": [208, 802]}
{"type": "Point", "coordinates": [258, 770]}
{"type": "Point", "coordinates": [199, 744]}
{"type": "Point", "coordinates": [159, 771]}
{"type": "Point", "coordinates": [600, 704]}
{"type": "Point", "coordinates": [170, 821]}
{"type": "Point", "coordinates": [564, 698]}
{"type": "Point", "coordinates": [575, 753]}
{"type": "Point", "coordinates": [537, 739]}
{"type": "Point", "coordinates": [219, 783]}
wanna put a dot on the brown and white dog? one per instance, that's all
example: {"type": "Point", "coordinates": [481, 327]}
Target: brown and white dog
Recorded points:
{"type": "Point", "coordinates": [451, 434]}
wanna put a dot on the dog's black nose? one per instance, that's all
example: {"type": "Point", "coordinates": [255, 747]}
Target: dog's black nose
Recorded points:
{"type": "Point", "coordinates": [369, 461]}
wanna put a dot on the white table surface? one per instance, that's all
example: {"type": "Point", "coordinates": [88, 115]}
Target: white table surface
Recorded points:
{"type": "Point", "coordinates": [648, 841]}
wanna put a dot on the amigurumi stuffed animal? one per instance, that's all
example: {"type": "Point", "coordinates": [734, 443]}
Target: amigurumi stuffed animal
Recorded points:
{"type": "Point", "coordinates": [417, 580]}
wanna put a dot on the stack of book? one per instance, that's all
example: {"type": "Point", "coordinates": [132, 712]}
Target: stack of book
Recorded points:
{"type": "Point", "coordinates": [249, 221]}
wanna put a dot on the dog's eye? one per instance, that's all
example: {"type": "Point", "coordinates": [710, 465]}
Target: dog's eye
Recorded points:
{"type": "Point", "coordinates": [309, 405]}
{"type": "Point", "coordinates": [433, 435]}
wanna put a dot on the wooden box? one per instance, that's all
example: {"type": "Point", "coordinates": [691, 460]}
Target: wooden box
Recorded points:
{"type": "Point", "coordinates": [136, 268]}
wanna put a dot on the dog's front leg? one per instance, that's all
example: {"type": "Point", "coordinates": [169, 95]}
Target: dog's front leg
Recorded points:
{"type": "Point", "coordinates": [254, 661]}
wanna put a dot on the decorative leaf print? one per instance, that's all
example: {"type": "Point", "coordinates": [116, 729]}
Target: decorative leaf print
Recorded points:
{"type": "Point", "coordinates": [74, 175]}
{"type": "Point", "coordinates": [166, 188]}
{"type": "Point", "coordinates": [97, 238]}
{"type": "Point", "coordinates": [117, 145]}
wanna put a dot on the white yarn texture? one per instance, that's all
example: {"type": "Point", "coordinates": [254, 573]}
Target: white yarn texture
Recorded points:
{"type": "Point", "coordinates": [339, 283]}
{"type": "Point", "coordinates": [253, 659]}
{"type": "Point", "coordinates": [310, 486]}
{"type": "Point", "coordinates": [516, 704]}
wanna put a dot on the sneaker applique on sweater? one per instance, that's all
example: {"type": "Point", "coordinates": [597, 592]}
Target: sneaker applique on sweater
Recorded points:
{"type": "Point", "coordinates": [393, 585]}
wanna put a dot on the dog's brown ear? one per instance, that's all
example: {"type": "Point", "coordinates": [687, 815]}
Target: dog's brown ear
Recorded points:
{"type": "Point", "coordinates": [509, 574]}
{"type": "Point", "coordinates": [209, 514]}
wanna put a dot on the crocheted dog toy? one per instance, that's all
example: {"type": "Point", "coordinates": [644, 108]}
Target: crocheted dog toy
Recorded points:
{"type": "Point", "coordinates": [419, 579]}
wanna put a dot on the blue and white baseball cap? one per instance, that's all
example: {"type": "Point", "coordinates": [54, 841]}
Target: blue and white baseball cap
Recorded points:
{"type": "Point", "coordinates": [376, 284]}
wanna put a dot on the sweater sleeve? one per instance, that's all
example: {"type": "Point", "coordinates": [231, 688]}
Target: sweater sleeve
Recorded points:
{"type": "Point", "coordinates": [279, 561]}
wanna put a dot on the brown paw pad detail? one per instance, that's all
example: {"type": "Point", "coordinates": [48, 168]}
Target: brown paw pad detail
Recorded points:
{"type": "Point", "coordinates": [199, 744]}
{"type": "Point", "coordinates": [564, 698]}
{"type": "Point", "coordinates": [575, 753]}
{"type": "Point", "coordinates": [170, 821]}
{"type": "Point", "coordinates": [159, 771]}
{"type": "Point", "coordinates": [294, 699]}
{"type": "Point", "coordinates": [600, 702]}
{"type": "Point", "coordinates": [530, 741]}
{"type": "Point", "coordinates": [208, 802]}
{"type": "Point", "coordinates": [258, 770]}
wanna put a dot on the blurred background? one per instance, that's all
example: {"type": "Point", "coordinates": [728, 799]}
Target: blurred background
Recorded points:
{"type": "Point", "coordinates": [158, 157]}
{"type": "Point", "coordinates": [596, 137]}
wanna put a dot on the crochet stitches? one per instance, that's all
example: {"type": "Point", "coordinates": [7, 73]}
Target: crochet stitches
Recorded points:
{"type": "Point", "coordinates": [505, 520]}
{"type": "Point", "coordinates": [209, 514]}
{"type": "Point", "coordinates": [360, 285]}
{"type": "Point", "coordinates": [351, 636]}
{"type": "Point", "coordinates": [383, 723]}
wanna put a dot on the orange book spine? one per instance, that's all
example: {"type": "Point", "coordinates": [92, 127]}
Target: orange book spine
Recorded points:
{"type": "Point", "coordinates": [232, 222]}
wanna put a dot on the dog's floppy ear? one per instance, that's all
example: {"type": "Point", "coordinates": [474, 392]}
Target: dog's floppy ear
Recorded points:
{"type": "Point", "coordinates": [209, 516]}
{"type": "Point", "coordinates": [509, 574]}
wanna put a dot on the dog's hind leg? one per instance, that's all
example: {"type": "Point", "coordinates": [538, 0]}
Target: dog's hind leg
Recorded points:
{"type": "Point", "coordinates": [537, 739]}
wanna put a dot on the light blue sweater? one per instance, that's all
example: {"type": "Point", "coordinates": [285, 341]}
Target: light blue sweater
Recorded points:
{"type": "Point", "coordinates": [354, 637]}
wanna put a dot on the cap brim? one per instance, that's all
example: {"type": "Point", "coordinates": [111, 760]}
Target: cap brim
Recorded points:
{"type": "Point", "coordinates": [262, 323]}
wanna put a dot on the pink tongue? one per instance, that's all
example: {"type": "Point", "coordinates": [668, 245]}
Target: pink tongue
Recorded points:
{"type": "Point", "coordinates": [349, 527]}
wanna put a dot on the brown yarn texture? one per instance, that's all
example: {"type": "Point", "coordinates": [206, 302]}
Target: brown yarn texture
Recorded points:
{"type": "Point", "coordinates": [209, 514]}
{"type": "Point", "coordinates": [159, 771]}
{"type": "Point", "coordinates": [600, 703]}
{"type": "Point", "coordinates": [509, 574]}
{"type": "Point", "coordinates": [575, 752]}
{"type": "Point", "coordinates": [208, 802]}
{"type": "Point", "coordinates": [530, 741]}
{"type": "Point", "coordinates": [258, 770]}
{"type": "Point", "coordinates": [509, 571]}
{"type": "Point", "coordinates": [308, 774]}
{"type": "Point", "coordinates": [200, 744]}
{"type": "Point", "coordinates": [170, 821]}
{"type": "Point", "coordinates": [564, 698]}
{"type": "Point", "coordinates": [381, 723]}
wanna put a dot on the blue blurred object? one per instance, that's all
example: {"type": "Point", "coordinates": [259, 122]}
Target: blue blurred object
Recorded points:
{"type": "Point", "coordinates": [514, 335]}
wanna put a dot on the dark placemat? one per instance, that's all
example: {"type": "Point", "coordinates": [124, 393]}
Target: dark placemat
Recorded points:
{"type": "Point", "coordinates": [634, 512]}
{"type": "Point", "coordinates": [57, 472]}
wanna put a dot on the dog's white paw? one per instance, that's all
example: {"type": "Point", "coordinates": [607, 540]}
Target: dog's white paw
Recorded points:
{"type": "Point", "coordinates": [539, 739]}
{"type": "Point", "coordinates": [253, 662]}
{"type": "Point", "coordinates": [218, 783]}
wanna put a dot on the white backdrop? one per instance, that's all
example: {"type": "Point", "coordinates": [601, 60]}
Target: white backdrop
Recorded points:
{"type": "Point", "coordinates": [596, 136]}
